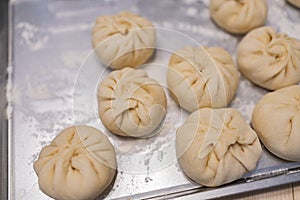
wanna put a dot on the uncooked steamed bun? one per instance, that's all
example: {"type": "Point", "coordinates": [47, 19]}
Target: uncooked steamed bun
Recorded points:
{"type": "Point", "coordinates": [269, 59]}
{"type": "Point", "coordinates": [123, 40]}
{"type": "Point", "coordinates": [216, 146]}
{"type": "Point", "coordinates": [202, 77]}
{"type": "Point", "coordinates": [238, 16]}
{"type": "Point", "coordinates": [295, 2]}
{"type": "Point", "coordinates": [79, 164]}
{"type": "Point", "coordinates": [276, 119]}
{"type": "Point", "coordinates": [130, 103]}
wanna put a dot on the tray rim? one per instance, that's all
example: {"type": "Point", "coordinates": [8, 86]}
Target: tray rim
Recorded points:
{"type": "Point", "coordinates": [4, 57]}
{"type": "Point", "coordinates": [282, 177]}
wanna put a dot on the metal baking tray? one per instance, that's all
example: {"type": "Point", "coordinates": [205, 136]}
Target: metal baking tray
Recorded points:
{"type": "Point", "coordinates": [53, 75]}
{"type": "Point", "coordinates": [3, 101]}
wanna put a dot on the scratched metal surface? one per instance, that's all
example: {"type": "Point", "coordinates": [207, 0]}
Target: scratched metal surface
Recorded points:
{"type": "Point", "coordinates": [54, 74]}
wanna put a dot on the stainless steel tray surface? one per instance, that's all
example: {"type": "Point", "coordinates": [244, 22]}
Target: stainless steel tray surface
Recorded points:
{"type": "Point", "coordinates": [54, 75]}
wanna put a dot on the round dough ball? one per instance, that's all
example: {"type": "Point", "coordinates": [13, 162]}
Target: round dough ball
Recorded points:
{"type": "Point", "coordinates": [276, 119]}
{"type": "Point", "coordinates": [269, 59]}
{"type": "Point", "coordinates": [79, 164]}
{"type": "Point", "coordinates": [130, 103]}
{"type": "Point", "coordinates": [238, 16]}
{"type": "Point", "coordinates": [202, 77]}
{"type": "Point", "coordinates": [123, 40]}
{"type": "Point", "coordinates": [295, 2]}
{"type": "Point", "coordinates": [216, 146]}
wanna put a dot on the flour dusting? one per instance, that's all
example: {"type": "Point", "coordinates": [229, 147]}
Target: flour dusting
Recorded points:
{"type": "Point", "coordinates": [72, 13]}
{"type": "Point", "coordinates": [32, 36]}
{"type": "Point", "coordinates": [190, 1]}
{"type": "Point", "coordinates": [70, 28]}
{"type": "Point", "coordinates": [191, 12]}
{"type": "Point", "coordinates": [9, 93]}
{"type": "Point", "coordinates": [40, 91]}
{"type": "Point", "coordinates": [74, 59]}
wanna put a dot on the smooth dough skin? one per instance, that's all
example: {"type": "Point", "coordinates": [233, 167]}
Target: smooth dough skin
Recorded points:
{"type": "Point", "coordinates": [239, 16]}
{"type": "Point", "coordinates": [269, 59]}
{"type": "Point", "coordinates": [130, 103]}
{"type": "Point", "coordinates": [295, 2]}
{"type": "Point", "coordinates": [202, 77]}
{"type": "Point", "coordinates": [123, 40]}
{"type": "Point", "coordinates": [216, 146]}
{"type": "Point", "coordinates": [276, 119]}
{"type": "Point", "coordinates": [79, 164]}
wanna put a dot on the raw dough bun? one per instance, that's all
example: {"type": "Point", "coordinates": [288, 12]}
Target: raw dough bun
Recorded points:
{"type": "Point", "coordinates": [238, 16]}
{"type": "Point", "coordinates": [269, 59]}
{"type": "Point", "coordinates": [295, 2]}
{"type": "Point", "coordinates": [202, 77]}
{"type": "Point", "coordinates": [276, 119]}
{"type": "Point", "coordinates": [130, 103]}
{"type": "Point", "coordinates": [123, 40]}
{"type": "Point", "coordinates": [79, 164]}
{"type": "Point", "coordinates": [216, 146]}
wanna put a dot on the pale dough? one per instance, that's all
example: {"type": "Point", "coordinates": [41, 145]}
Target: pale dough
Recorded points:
{"type": "Point", "coordinates": [79, 164]}
{"type": "Point", "coordinates": [239, 16]}
{"type": "Point", "coordinates": [202, 77]}
{"type": "Point", "coordinates": [276, 119]}
{"type": "Point", "coordinates": [123, 40]}
{"type": "Point", "coordinates": [269, 59]}
{"type": "Point", "coordinates": [130, 103]}
{"type": "Point", "coordinates": [295, 2]}
{"type": "Point", "coordinates": [216, 146]}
